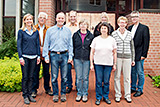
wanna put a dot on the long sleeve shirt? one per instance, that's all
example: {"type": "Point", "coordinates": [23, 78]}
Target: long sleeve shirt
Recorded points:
{"type": "Point", "coordinates": [28, 44]}
{"type": "Point", "coordinates": [58, 40]}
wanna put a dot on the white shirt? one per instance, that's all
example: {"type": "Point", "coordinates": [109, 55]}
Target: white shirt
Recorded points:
{"type": "Point", "coordinates": [41, 33]}
{"type": "Point", "coordinates": [133, 31]}
{"type": "Point", "coordinates": [103, 50]}
{"type": "Point", "coordinates": [123, 36]}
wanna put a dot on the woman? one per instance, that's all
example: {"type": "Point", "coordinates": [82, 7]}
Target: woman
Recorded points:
{"type": "Point", "coordinates": [125, 58]}
{"type": "Point", "coordinates": [81, 49]}
{"type": "Point", "coordinates": [29, 55]}
{"type": "Point", "coordinates": [104, 18]}
{"type": "Point", "coordinates": [103, 52]}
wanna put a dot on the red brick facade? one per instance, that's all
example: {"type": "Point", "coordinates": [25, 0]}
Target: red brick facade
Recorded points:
{"type": "Point", "coordinates": [152, 20]}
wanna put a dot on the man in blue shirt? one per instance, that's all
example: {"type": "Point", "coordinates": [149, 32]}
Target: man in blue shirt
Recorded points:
{"type": "Point", "coordinates": [59, 42]}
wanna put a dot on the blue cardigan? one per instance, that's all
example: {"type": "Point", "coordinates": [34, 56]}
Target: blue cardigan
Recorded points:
{"type": "Point", "coordinates": [28, 44]}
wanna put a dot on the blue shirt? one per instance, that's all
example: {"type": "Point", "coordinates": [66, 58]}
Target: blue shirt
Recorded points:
{"type": "Point", "coordinates": [58, 40]}
{"type": "Point", "coordinates": [28, 44]}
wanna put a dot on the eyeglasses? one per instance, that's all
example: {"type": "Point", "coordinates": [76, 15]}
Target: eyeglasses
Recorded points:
{"type": "Point", "coordinates": [134, 16]}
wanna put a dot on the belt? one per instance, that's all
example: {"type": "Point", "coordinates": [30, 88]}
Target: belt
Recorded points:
{"type": "Point", "coordinates": [59, 52]}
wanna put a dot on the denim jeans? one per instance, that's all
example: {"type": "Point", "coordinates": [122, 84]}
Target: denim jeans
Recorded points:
{"type": "Point", "coordinates": [59, 61]}
{"type": "Point", "coordinates": [27, 76]}
{"type": "Point", "coordinates": [46, 76]}
{"type": "Point", "coordinates": [137, 72]}
{"type": "Point", "coordinates": [102, 72]}
{"type": "Point", "coordinates": [82, 68]}
{"type": "Point", "coordinates": [69, 76]}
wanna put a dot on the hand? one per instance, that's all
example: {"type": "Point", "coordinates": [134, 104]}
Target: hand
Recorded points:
{"type": "Point", "coordinates": [22, 62]}
{"type": "Point", "coordinates": [114, 68]}
{"type": "Point", "coordinates": [38, 61]}
{"type": "Point", "coordinates": [92, 67]}
{"type": "Point", "coordinates": [70, 61]}
{"type": "Point", "coordinates": [142, 57]}
{"type": "Point", "coordinates": [47, 61]}
{"type": "Point", "coordinates": [133, 63]}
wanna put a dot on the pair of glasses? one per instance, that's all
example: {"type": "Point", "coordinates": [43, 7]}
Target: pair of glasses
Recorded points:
{"type": "Point", "coordinates": [134, 16]}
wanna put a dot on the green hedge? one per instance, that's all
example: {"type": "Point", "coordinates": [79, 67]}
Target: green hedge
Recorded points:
{"type": "Point", "coordinates": [11, 75]}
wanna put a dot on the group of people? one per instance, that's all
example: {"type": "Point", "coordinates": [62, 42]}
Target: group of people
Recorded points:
{"type": "Point", "coordinates": [72, 45]}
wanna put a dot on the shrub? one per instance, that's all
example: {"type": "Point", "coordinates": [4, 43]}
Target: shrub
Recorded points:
{"type": "Point", "coordinates": [9, 45]}
{"type": "Point", "coordinates": [156, 80]}
{"type": "Point", "coordinates": [10, 74]}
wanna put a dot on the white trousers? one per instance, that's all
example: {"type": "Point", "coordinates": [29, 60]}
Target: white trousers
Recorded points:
{"type": "Point", "coordinates": [125, 66]}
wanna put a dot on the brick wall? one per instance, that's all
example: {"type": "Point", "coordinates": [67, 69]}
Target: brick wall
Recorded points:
{"type": "Point", "coordinates": [48, 6]}
{"type": "Point", "coordinates": [152, 63]}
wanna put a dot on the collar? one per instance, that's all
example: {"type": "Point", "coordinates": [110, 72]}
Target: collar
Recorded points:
{"type": "Point", "coordinates": [59, 27]}
{"type": "Point", "coordinates": [73, 25]}
{"type": "Point", "coordinates": [40, 26]}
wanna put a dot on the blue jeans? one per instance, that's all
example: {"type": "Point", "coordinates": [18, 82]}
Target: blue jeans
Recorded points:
{"type": "Point", "coordinates": [27, 76]}
{"type": "Point", "coordinates": [59, 61]}
{"type": "Point", "coordinates": [69, 76]}
{"type": "Point", "coordinates": [46, 76]}
{"type": "Point", "coordinates": [82, 69]}
{"type": "Point", "coordinates": [102, 72]}
{"type": "Point", "coordinates": [137, 72]}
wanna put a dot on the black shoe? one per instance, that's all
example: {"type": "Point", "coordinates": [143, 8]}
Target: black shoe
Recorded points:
{"type": "Point", "coordinates": [26, 100]}
{"type": "Point", "coordinates": [31, 99]}
{"type": "Point", "coordinates": [137, 94]}
{"type": "Point", "coordinates": [97, 102]}
{"type": "Point", "coordinates": [132, 91]}
{"type": "Point", "coordinates": [107, 101]}
{"type": "Point", "coordinates": [49, 92]}
{"type": "Point", "coordinates": [68, 90]}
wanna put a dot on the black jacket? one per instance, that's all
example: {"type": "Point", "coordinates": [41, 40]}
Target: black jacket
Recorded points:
{"type": "Point", "coordinates": [96, 30]}
{"type": "Point", "coordinates": [141, 41]}
{"type": "Point", "coordinates": [82, 51]}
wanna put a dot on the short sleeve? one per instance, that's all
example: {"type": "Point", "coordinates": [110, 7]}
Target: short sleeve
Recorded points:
{"type": "Point", "coordinates": [93, 44]}
{"type": "Point", "coordinates": [114, 44]}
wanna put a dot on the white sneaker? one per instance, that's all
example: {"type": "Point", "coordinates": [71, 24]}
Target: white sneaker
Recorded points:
{"type": "Point", "coordinates": [128, 99]}
{"type": "Point", "coordinates": [117, 99]}
{"type": "Point", "coordinates": [78, 98]}
{"type": "Point", "coordinates": [85, 98]}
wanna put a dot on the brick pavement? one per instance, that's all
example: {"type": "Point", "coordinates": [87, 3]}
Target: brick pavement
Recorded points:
{"type": "Point", "coordinates": [150, 98]}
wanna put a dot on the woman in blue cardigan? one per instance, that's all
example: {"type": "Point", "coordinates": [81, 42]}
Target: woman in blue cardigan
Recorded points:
{"type": "Point", "coordinates": [29, 55]}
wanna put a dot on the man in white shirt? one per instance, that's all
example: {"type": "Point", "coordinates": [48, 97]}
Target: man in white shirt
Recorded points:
{"type": "Point", "coordinates": [42, 28]}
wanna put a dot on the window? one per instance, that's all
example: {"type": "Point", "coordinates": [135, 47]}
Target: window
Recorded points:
{"type": "Point", "coordinates": [9, 15]}
{"type": "Point", "coordinates": [151, 4]}
{"type": "Point", "coordinates": [95, 2]}
{"type": "Point", "coordinates": [111, 5]}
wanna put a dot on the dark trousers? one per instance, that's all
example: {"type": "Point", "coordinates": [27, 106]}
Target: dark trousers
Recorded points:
{"type": "Point", "coordinates": [46, 76]}
{"type": "Point", "coordinates": [27, 76]}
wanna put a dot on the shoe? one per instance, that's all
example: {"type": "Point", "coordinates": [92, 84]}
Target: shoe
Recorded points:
{"type": "Point", "coordinates": [68, 90]}
{"type": "Point", "coordinates": [107, 101]}
{"type": "Point", "coordinates": [34, 94]}
{"type": "Point", "coordinates": [132, 91]}
{"type": "Point", "coordinates": [31, 99]}
{"type": "Point", "coordinates": [78, 98]}
{"type": "Point", "coordinates": [128, 99]}
{"type": "Point", "coordinates": [97, 102]}
{"type": "Point", "coordinates": [117, 99]}
{"type": "Point", "coordinates": [26, 100]}
{"type": "Point", "coordinates": [49, 92]}
{"type": "Point", "coordinates": [63, 98]}
{"type": "Point", "coordinates": [137, 94]}
{"type": "Point", "coordinates": [55, 98]}
{"type": "Point", "coordinates": [85, 98]}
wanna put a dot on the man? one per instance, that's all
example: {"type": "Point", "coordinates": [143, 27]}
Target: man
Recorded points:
{"type": "Point", "coordinates": [73, 25]}
{"type": "Point", "coordinates": [42, 28]}
{"type": "Point", "coordinates": [59, 42]}
{"type": "Point", "coordinates": [141, 38]}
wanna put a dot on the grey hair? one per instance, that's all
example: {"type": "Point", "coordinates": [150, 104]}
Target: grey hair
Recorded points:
{"type": "Point", "coordinates": [43, 13]}
{"type": "Point", "coordinates": [135, 12]}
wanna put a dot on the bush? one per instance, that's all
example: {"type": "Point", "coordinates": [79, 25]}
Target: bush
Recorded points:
{"type": "Point", "coordinates": [9, 45]}
{"type": "Point", "coordinates": [10, 74]}
{"type": "Point", "coordinates": [156, 81]}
